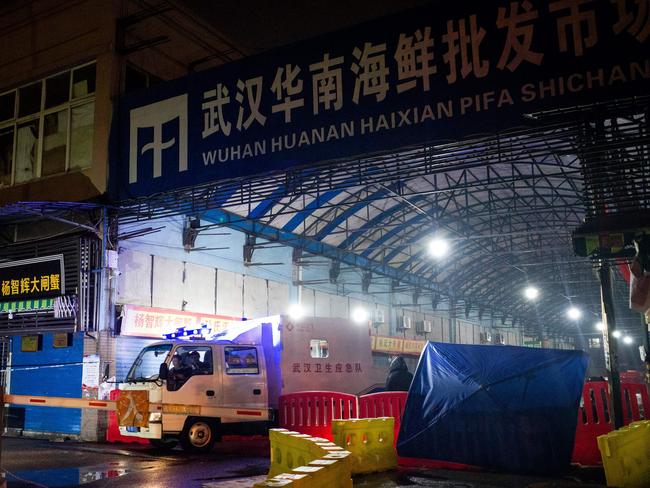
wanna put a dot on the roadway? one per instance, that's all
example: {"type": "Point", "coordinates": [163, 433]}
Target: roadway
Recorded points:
{"type": "Point", "coordinates": [236, 463]}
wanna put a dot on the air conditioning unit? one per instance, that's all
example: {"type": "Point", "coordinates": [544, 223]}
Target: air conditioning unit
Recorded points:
{"type": "Point", "coordinates": [378, 316]}
{"type": "Point", "coordinates": [424, 326]}
{"type": "Point", "coordinates": [407, 322]}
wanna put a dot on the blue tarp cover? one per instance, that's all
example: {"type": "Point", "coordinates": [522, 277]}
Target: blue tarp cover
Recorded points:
{"type": "Point", "coordinates": [505, 407]}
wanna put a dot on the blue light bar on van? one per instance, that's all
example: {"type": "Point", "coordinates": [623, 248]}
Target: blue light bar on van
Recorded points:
{"type": "Point", "coordinates": [183, 333]}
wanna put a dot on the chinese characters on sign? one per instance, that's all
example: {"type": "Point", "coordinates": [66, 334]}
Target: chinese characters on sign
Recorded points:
{"type": "Point", "coordinates": [413, 61]}
{"type": "Point", "coordinates": [155, 322]}
{"type": "Point", "coordinates": [413, 347]}
{"type": "Point", "coordinates": [34, 286]}
{"type": "Point", "coordinates": [389, 344]}
{"type": "Point", "coordinates": [326, 368]}
{"type": "Point", "coordinates": [397, 345]}
{"type": "Point", "coordinates": [435, 73]}
{"type": "Point", "coordinates": [32, 278]}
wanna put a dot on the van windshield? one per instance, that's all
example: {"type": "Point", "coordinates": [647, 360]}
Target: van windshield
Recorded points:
{"type": "Point", "coordinates": [147, 365]}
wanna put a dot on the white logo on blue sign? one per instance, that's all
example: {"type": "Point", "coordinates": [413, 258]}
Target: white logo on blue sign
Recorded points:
{"type": "Point", "coordinates": [153, 117]}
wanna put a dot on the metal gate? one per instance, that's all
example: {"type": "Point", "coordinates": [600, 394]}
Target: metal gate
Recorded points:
{"type": "Point", "coordinates": [75, 310]}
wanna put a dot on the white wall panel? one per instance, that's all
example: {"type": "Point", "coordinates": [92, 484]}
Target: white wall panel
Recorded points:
{"type": "Point", "coordinates": [512, 339]}
{"type": "Point", "coordinates": [167, 283]}
{"type": "Point", "coordinates": [134, 284]}
{"type": "Point", "coordinates": [445, 323]}
{"type": "Point", "coordinates": [466, 332]}
{"type": "Point", "coordinates": [322, 304]}
{"type": "Point", "coordinates": [339, 307]}
{"type": "Point", "coordinates": [229, 293]}
{"type": "Point", "coordinates": [199, 289]}
{"type": "Point", "coordinates": [278, 297]}
{"type": "Point", "coordinates": [255, 297]}
{"type": "Point", "coordinates": [478, 330]}
{"type": "Point", "coordinates": [307, 301]}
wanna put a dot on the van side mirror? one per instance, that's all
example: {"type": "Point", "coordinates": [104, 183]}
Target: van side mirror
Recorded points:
{"type": "Point", "coordinates": [163, 372]}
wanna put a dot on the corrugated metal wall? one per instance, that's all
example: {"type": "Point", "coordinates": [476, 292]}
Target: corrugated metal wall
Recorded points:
{"type": "Point", "coordinates": [81, 255]}
{"type": "Point", "coordinates": [49, 372]}
{"type": "Point", "coordinates": [126, 350]}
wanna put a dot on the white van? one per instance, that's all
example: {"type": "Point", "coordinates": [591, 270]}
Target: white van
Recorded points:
{"type": "Point", "coordinates": [232, 382]}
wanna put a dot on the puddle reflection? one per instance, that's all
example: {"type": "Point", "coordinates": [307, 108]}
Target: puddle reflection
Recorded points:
{"type": "Point", "coordinates": [61, 477]}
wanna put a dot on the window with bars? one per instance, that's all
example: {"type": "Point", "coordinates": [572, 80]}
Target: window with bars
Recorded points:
{"type": "Point", "coordinates": [46, 127]}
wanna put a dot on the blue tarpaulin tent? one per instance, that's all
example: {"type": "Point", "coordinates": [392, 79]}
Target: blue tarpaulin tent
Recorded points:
{"type": "Point", "coordinates": [505, 407]}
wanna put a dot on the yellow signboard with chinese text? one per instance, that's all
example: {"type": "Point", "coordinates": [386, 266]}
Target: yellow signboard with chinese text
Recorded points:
{"type": "Point", "coordinates": [388, 344]}
{"type": "Point", "coordinates": [413, 346]}
{"type": "Point", "coordinates": [32, 278]}
{"type": "Point", "coordinates": [396, 345]}
{"type": "Point", "coordinates": [62, 339]}
{"type": "Point", "coordinates": [30, 343]}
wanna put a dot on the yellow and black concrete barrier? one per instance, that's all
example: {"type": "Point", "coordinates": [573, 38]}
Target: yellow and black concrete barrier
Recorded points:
{"type": "Point", "coordinates": [626, 455]}
{"type": "Point", "coordinates": [370, 442]}
{"type": "Point", "coordinates": [299, 460]}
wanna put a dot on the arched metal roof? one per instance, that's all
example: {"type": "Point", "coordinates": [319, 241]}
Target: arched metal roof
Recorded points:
{"type": "Point", "coordinates": [507, 203]}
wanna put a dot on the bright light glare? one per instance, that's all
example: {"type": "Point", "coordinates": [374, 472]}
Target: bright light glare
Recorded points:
{"type": "Point", "coordinates": [574, 313]}
{"type": "Point", "coordinates": [359, 315]}
{"type": "Point", "coordinates": [628, 340]}
{"type": "Point", "coordinates": [616, 334]}
{"type": "Point", "coordinates": [600, 326]}
{"type": "Point", "coordinates": [438, 247]}
{"type": "Point", "coordinates": [531, 293]}
{"type": "Point", "coordinates": [296, 312]}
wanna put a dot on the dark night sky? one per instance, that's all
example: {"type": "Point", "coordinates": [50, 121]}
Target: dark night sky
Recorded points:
{"type": "Point", "coordinates": [259, 25]}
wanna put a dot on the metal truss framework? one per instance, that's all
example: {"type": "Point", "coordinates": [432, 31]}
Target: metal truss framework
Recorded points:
{"type": "Point", "coordinates": [507, 202]}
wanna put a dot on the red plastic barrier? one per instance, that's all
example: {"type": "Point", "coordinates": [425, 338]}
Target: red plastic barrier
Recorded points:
{"type": "Point", "coordinates": [391, 404]}
{"type": "Point", "coordinates": [594, 416]}
{"type": "Point", "coordinates": [311, 412]}
{"type": "Point", "coordinates": [636, 404]}
{"type": "Point", "coordinates": [113, 430]}
{"type": "Point", "coordinates": [593, 420]}
{"type": "Point", "coordinates": [384, 404]}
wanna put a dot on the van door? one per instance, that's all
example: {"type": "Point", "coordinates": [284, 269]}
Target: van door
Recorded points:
{"type": "Point", "coordinates": [244, 377]}
{"type": "Point", "coordinates": [193, 380]}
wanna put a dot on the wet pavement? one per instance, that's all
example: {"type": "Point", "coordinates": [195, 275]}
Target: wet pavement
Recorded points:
{"type": "Point", "coordinates": [38, 463]}
{"type": "Point", "coordinates": [235, 463]}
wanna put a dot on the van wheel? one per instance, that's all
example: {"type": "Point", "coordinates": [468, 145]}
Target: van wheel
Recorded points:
{"type": "Point", "coordinates": [199, 435]}
{"type": "Point", "coordinates": [166, 443]}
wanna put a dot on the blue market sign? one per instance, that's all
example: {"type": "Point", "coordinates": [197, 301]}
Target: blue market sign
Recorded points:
{"type": "Point", "coordinates": [439, 73]}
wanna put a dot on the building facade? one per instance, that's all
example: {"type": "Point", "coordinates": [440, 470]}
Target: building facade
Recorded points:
{"type": "Point", "coordinates": [130, 280]}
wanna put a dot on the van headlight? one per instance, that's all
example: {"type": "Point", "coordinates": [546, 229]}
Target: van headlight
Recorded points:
{"type": "Point", "coordinates": [155, 417]}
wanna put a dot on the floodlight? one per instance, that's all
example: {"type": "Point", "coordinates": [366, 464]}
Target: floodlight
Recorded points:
{"type": "Point", "coordinates": [295, 311]}
{"type": "Point", "coordinates": [574, 313]}
{"type": "Point", "coordinates": [600, 326]}
{"type": "Point", "coordinates": [628, 339]}
{"type": "Point", "coordinates": [531, 293]}
{"type": "Point", "coordinates": [616, 334]}
{"type": "Point", "coordinates": [359, 315]}
{"type": "Point", "coordinates": [438, 247]}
